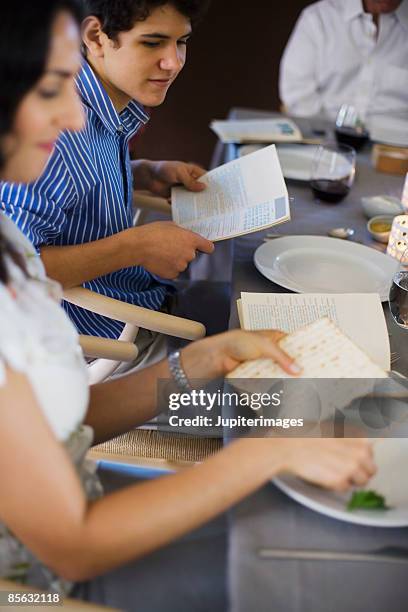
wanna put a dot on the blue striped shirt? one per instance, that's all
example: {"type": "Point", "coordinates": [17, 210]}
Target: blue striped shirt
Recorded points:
{"type": "Point", "coordinates": [85, 194]}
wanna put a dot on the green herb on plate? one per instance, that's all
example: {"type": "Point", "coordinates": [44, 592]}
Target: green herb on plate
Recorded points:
{"type": "Point", "coordinates": [367, 500]}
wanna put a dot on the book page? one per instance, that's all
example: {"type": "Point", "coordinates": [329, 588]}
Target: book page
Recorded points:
{"type": "Point", "coordinates": [242, 196]}
{"type": "Point", "coordinates": [257, 130]}
{"type": "Point", "coordinates": [359, 316]}
{"type": "Point", "coordinates": [321, 350]}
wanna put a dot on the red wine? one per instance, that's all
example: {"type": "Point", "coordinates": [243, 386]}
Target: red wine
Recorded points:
{"type": "Point", "coordinates": [399, 298]}
{"type": "Point", "coordinates": [330, 191]}
{"type": "Point", "coordinates": [350, 136]}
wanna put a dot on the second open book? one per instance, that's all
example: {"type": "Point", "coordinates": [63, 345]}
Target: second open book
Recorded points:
{"type": "Point", "coordinates": [329, 336]}
{"type": "Point", "coordinates": [242, 196]}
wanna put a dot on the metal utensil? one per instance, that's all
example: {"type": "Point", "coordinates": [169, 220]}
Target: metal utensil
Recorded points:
{"type": "Point", "coordinates": [341, 232]}
{"type": "Point", "coordinates": [385, 554]}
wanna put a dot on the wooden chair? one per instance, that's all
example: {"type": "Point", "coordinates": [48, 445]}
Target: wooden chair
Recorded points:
{"type": "Point", "coordinates": [140, 447]}
{"type": "Point", "coordinates": [110, 353]}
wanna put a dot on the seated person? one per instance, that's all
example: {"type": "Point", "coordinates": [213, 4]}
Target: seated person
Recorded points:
{"type": "Point", "coordinates": [347, 52]}
{"type": "Point", "coordinates": [44, 398]}
{"type": "Point", "coordinates": [79, 213]}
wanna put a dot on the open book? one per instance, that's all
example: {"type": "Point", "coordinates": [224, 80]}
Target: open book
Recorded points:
{"type": "Point", "coordinates": [359, 317]}
{"type": "Point", "coordinates": [243, 196]}
{"type": "Point", "coordinates": [257, 130]}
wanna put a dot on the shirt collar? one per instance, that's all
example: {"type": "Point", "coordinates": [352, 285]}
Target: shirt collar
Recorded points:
{"type": "Point", "coordinates": [352, 9]}
{"type": "Point", "coordinates": [94, 95]}
{"type": "Point", "coordinates": [355, 8]}
{"type": "Point", "coordinates": [402, 14]}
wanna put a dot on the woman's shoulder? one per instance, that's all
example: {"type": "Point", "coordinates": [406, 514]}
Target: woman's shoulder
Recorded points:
{"type": "Point", "coordinates": [12, 334]}
{"type": "Point", "coordinates": [23, 246]}
{"type": "Point", "coordinates": [30, 312]}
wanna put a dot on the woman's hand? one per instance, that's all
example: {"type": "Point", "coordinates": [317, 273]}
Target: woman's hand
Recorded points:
{"type": "Point", "coordinates": [332, 463]}
{"type": "Point", "coordinates": [218, 355]}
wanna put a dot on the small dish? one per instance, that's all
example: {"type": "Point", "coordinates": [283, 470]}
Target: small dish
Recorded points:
{"type": "Point", "coordinates": [381, 205]}
{"type": "Point", "coordinates": [380, 227]}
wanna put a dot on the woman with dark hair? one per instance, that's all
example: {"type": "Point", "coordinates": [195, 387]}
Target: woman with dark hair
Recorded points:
{"type": "Point", "coordinates": [50, 533]}
{"type": "Point", "coordinates": [37, 97]}
{"type": "Point", "coordinates": [24, 74]}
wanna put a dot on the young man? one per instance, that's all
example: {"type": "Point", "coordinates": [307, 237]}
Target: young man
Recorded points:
{"type": "Point", "coordinates": [79, 213]}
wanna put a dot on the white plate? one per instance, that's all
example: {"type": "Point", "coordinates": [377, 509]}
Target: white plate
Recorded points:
{"type": "Point", "coordinates": [296, 160]}
{"type": "Point", "coordinates": [391, 457]}
{"type": "Point", "coordinates": [389, 130]}
{"type": "Point", "coordinates": [317, 264]}
{"type": "Point", "coordinates": [250, 148]}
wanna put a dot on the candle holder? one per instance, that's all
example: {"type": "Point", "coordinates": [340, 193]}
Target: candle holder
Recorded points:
{"type": "Point", "coordinates": [398, 241]}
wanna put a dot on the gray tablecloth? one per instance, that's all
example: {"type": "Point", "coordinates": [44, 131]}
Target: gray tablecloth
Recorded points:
{"type": "Point", "coordinates": [269, 519]}
{"type": "Point", "coordinates": [272, 520]}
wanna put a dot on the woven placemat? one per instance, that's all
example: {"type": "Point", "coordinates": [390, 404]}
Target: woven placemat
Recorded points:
{"type": "Point", "coordinates": [153, 444]}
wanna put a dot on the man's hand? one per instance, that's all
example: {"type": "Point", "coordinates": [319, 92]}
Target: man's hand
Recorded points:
{"type": "Point", "coordinates": [160, 177]}
{"type": "Point", "coordinates": [165, 248]}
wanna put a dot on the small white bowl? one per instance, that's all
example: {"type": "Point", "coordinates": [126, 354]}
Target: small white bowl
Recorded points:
{"type": "Point", "coordinates": [380, 236]}
{"type": "Point", "coordinates": [381, 205]}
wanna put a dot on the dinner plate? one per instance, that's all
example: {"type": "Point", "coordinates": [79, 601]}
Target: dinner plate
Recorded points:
{"type": "Point", "coordinates": [318, 264]}
{"type": "Point", "coordinates": [389, 130]}
{"type": "Point", "coordinates": [295, 160]}
{"type": "Point", "coordinates": [391, 457]}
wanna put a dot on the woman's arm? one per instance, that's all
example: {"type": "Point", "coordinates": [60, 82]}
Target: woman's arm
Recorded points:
{"type": "Point", "coordinates": [79, 541]}
{"type": "Point", "coordinates": [119, 405]}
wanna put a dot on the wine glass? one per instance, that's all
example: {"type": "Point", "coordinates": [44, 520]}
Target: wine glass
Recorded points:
{"type": "Point", "coordinates": [350, 128]}
{"type": "Point", "coordinates": [333, 171]}
{"type": "Point", "coordinates": [398, 297]}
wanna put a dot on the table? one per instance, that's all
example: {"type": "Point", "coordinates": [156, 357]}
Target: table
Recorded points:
{"type": "Point", "coordinates": [269, 519]}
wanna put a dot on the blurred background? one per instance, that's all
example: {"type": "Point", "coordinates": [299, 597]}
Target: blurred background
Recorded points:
{"type": "Point", "coordinates": [233, 60]}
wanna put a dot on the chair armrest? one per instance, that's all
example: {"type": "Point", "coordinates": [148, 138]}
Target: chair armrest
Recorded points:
{"type": "Point", "coordinates": [135, 315]}
{"type": "Point", "coordinates": [147, 201]}
{"type": "Point", "coordinates": [105, 348]}
{"type": "Point", "coordinates": [68, 603]}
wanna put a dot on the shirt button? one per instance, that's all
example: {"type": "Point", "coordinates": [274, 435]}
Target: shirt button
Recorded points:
{"type": "Point", "coordinates": [120, 129]}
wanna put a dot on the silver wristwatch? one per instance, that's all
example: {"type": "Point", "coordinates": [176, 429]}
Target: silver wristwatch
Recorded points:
{"type": "Point", "coordinates": [178, 373]}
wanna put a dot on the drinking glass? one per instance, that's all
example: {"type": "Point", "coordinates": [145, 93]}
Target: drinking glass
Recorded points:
{"type": "Point", "coordinates": [350, 128]}
{"type": "Point", "coordinates": [398, 298]}
{"type": "Point", "coordinates": [333, 171]}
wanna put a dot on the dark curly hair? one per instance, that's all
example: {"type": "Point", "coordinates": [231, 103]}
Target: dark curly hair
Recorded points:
{"type": "Point", "coordinates": [25, 29]}
{"type": "Point", "coordinates": [121, 15]}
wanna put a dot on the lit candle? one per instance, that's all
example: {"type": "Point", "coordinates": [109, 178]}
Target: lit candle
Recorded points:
{"type": "Point", "coordinates": [404, 198]}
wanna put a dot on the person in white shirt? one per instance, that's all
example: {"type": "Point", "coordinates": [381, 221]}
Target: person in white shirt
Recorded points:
{"type": "Point", "coordinates": [347, 52]}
